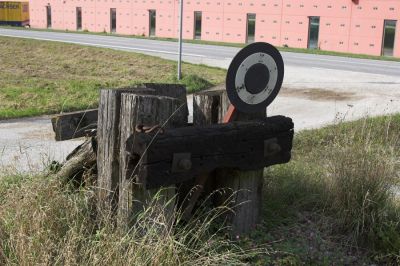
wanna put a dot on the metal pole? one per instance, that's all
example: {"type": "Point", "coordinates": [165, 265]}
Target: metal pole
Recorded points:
{"type": "Point", "coordinates": [180, 40]}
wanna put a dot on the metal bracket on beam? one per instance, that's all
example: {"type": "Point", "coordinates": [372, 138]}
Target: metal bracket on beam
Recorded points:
{"type": "Point", "coordinates": [181, 162]}
{"type": "Point", "coordinates": [271, 147]}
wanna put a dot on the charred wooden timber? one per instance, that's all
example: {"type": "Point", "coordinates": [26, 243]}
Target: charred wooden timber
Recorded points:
{"type": "Point", "coordinates": [184, 153]}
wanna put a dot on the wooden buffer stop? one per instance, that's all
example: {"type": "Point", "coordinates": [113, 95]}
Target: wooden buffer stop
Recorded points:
{"type": "Point", "coordinates": [142, 144]}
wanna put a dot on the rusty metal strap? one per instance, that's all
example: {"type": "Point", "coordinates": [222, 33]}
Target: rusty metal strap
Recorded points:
{"type": "Point", "coordinates": [148, 129]}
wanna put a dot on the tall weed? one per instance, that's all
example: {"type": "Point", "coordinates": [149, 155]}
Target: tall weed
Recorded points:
{"type": "Point", "coordinates": [43, 222]}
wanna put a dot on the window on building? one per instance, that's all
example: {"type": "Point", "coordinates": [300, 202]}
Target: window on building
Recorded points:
{"type": "Point", "coordinates": [48, 16]}
{"type": "Point", "coordinates": [251, 28]}
{"type": "Point", "coordinates": [113, 19]}
{"type": "Point", "coordinates": [197, 25]}
{"type": "Point", "coordinates": [79, 18]}
{"type": "Point", "coordinates": [152, 23]}
{"type": "Point", "coordinates": [389, 35]}
{"type": "Point", "coordinates": [313, 33]}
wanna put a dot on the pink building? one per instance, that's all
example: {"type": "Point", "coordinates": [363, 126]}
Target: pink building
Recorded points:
{"type": "Point", "coordinates": [355, 26]}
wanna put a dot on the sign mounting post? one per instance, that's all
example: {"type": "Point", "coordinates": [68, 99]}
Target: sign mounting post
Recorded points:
{"type": "Point", "coordinates": [180, 39]}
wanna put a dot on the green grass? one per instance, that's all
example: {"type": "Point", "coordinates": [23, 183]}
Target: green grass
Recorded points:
{"type": "Point", "coordinates": [39, 77]}
{"type": "Point", "coordinates": [240, 45]}
{"type": "Point", "coordinates": [335, 203]}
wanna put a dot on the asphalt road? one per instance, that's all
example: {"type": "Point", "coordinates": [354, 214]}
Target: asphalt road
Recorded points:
{"type": "Point", "coordinates": [208, 54]}
{"type": "Point", "coordinates": [318, 90]}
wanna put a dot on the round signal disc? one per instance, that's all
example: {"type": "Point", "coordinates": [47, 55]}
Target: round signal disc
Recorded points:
{"type": "Point", "coordinates": [255, 77]}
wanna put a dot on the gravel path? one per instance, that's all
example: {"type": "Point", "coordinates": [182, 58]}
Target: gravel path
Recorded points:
{"type": "Point", "coordinates": [27, 145]}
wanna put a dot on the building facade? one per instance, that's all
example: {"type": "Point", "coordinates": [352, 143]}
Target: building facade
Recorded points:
{"type": "Point", "coordinates": [353, 26]}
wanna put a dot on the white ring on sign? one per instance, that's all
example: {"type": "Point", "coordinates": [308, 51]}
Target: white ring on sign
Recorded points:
{"type": "Point", "coordinates": [257, 58]}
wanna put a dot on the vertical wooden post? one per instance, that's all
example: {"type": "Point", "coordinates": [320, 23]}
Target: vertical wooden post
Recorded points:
{"type": "Point", "coordinates": [108, 133]}
{"type": "Point", "coordinates": [207, 107]}
{"type": "Point", "coordinates": [149, 111]}
{"type": "Point", "coordinates": [210, 107]}
{"type": "Point", "coordinates": [245, 195]}
{"type": "Point", "coordinates": [108, 147]}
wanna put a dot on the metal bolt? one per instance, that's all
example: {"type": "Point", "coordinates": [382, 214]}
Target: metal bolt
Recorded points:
{"type": "Point", "coordinates": [271, 147]}
{"type": "Point", "coordinates": [274, 148]}
{"type": "Point", "coordinates": [185, 164]}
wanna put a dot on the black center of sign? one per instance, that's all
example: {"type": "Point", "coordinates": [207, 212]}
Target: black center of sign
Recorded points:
{"type": "Point", "coordinates": [257, 78]}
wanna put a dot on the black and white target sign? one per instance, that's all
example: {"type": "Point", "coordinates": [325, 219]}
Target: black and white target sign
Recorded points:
{"type": "Point", "coordinates": [255, 77]}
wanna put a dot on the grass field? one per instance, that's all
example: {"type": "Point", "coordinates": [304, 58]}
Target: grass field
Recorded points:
{"type": "Point", "coordinates": [283, 49]}
{"type": "Point", "coordinates": [338, 201]}
{"type": "Point", "coordinates": [38, 77]}
{"type": "Point", "coordinates": [335, 203]}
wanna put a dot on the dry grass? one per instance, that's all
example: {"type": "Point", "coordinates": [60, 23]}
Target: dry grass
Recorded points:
{"type": "Point", "coordinates": [45, 222]}
{"type": "Point", "coordinates": [363, 176]}
{"type": "Point", "coordinates": [39, 77]}
{"type": "Point", "coordinates": [338, 201]}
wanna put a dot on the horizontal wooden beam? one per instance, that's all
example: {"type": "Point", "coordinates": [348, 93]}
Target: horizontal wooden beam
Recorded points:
{"type": "Point", "coordinates": [181, 154]}
{"type": "Point", "coordinates": [74, 125]}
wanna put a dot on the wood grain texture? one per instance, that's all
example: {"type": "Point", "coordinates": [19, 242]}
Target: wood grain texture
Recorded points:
{"type": "Point", "coordinates": [108, 132]}
{"type": "Point", "coordinates": [243, 193]}
{"type": "Point", "coordinates": [209, 107]}
{"type": "Point", "coordinates": [81, 159]}
{"type": "Point", "coordinates": [245, 189]}
{"type": "Point", "coordinates": [108, 147]}
{"type": "Point", "coordinates": [144, 110]}
{"type": "Point", "coordinates": [73, 125]}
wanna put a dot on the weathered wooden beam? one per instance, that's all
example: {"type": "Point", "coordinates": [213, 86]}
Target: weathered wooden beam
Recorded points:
{"type": "Point", "coordinates": [108, 132]}
{"type": "Point", "coordinates": [208, 108]}
{"type": "Point", "coordinates": [138, 111]}
{"type": "Point", "coordinates": [73, 125]}
{"type": "Point", "coordinates": [239, 145]}
{"type": "Point", "coordinates": [177, 91]}
{"type": "Point", "coordinates": [81, 159]}
{"type": "Point", "coordinates": [244, 186]}
{"type": "Point", "coordinates": [108, 147]}
{"type": "Point", "coordinates": [243, 193]}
